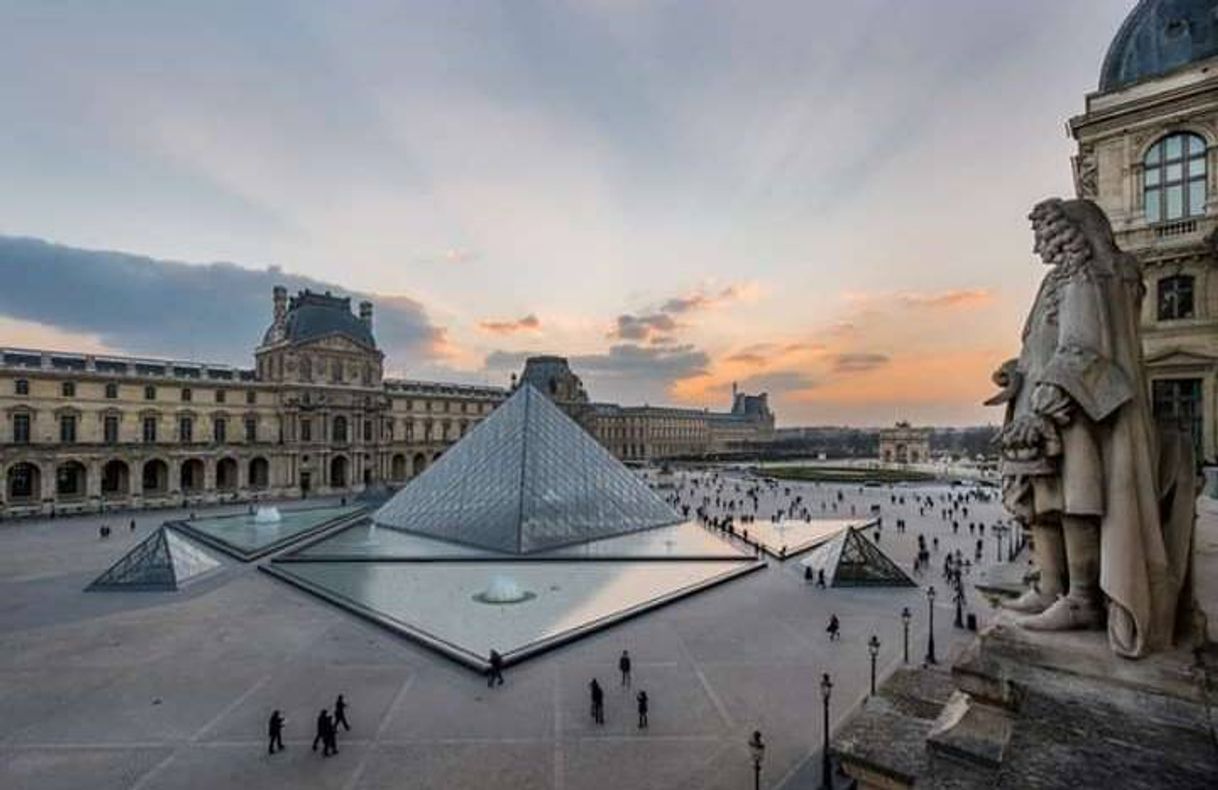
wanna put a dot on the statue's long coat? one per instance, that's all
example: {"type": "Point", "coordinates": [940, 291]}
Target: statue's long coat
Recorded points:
{"type": "Point", "coordinates": [1082, 335]}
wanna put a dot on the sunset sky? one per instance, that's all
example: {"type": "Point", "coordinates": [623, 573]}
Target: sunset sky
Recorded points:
{"type": "Point", "coordinates": [825, 200]}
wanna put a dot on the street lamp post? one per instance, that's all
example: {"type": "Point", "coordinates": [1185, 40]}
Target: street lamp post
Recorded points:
{"type": "Point", "coordinates": [826, 777]}
{"type": "Point", "coordinates": [930, 634]}
{"type": "Point", "coordinates": [873, 647]}
{"type": "Point", "coordinates": [905, 618]}
{"type": "Point", "coordinates": [958, 596]}
{"type": "Point", "coordinates": [757, 750]}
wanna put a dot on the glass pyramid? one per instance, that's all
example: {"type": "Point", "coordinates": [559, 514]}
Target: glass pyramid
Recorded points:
{"type": "Point", "coordinates": [162, 561]}
{"type": "Point", "coordinates": [526, 478]}
{"type": "Point", "coordinates": [849, 559]}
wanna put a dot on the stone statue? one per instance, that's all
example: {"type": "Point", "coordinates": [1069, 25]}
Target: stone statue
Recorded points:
{"type": "Point", "coordinates": [1107, 499]}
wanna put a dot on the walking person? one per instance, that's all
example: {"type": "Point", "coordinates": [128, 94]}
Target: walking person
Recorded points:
{"type": "Point", "coordinates": [323, 729]}
{"type": "Point", "coordinates": [495, 671]}
{"type": "Point", "coordinates": [642, 700]}
{"type": "Point", "coordinates": [274, 729]}
{"type": "Point", "coordinates": [623, 664]}
{"type": "Point", "coordinates": [598, 702]}
{"type": "Point", "coordinates": [330, 742]}
{"type": "Point", "coordinates": [340, 714]}
{"type": "Point", "coordinates": [834, 628]}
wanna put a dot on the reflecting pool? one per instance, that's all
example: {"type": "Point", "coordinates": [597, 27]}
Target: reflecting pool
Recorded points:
{"type": "Point", "coordinates": [443, 603]}
{"type": "Point", "coordinates": [245, 537]}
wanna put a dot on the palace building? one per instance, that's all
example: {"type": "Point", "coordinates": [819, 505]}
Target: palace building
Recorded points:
{"type": "Point", "coordinates": [650, 433]}
{"type": "Point", "coordinates": [315, 415]}
{"type": "Point", "coordinates": [1148, 155]}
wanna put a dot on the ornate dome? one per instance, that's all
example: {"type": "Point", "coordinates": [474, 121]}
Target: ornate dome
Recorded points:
{"type": "Point", "coordinates": [1160, 36]}
{"type": "Point", "coordinates": [312, 315]}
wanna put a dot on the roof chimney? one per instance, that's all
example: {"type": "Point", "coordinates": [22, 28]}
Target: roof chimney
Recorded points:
{"type": "Point", "coordinates": [365, 313]}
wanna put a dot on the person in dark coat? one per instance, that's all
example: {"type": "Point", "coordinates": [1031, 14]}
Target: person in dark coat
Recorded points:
{"type": "Point", "coordinates": [330, 743]}
{"type": "Point", "coordinates": [834, 628]}
{"type": "Point", "coordinates": [642, 700]}
{"type": "Point", "coordinates": [322, 735]}
{"type": "Point", "coordinates": [598, 702]}
{"type": "Point", "coordinates": [274, 729]}
{"type": "Point", "coordinates": [340, 714]}
{"type": "Point", "coordinates": [623, 664]}
{"type": "Point", "coordinates": [495, 672]}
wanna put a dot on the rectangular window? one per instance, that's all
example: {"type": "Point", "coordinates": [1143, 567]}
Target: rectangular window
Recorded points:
{"type": "Point", "coordinates": [306, 430]}
{"type": "Point", "coordinates": [251, 429]}
{"type": "Point", "coordinates": [111, 391]}
{"type": "Point", "coordinates": [1174, 149]}
{"type": "Point", "coordinates": [22, 386]}
{"type": "Point", "coordinates": [367, 430]}
{"type": "Point", "coordinates": [149, 430]}
{"type": "Point", "coordinates": [67, 429]}
{"type": "Point", "coordinates": [1175, 202]}
{"type": "Point", "coordinates": [219, 430]}
{"type": "Point", "coordinates": [186, 394]}
{"type": "Point", "coordinates": [221, 396]}
{"type": "Point", "coordinates": [68, 388]}
{"type": "Point", "coordinates": [149, 393]}
{"type": "Point", "coordinates": [21, 429]}
{"type": "Point", "coordinates": [1196, 197]}
{"type": "Point", "coordinates": [110, 429]}
{"type": "Point", "coordinates": [1152, 205]}
{"type": "Point", "coordinates": [1175, 298]}
{"type": "Point", "coordinates": [1177, 403]}
{"type": "Point", "coordinates": [251, 397]}
{"type": "Point", "coordinates": [186, 430]}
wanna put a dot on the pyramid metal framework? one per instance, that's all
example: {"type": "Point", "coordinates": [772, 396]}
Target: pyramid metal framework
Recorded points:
{"type": "Point", "coordinates": [162, 561]}
{"type": "Point", "coordinates": [849, 559]}
{"type": "Point", "coordinates": [526, 478]}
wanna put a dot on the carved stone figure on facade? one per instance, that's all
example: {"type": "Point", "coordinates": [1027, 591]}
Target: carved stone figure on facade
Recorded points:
{"type": "Point", "coordinates": [1108, 497]}
{"type": "Point", "coordinates": [1086, 175]}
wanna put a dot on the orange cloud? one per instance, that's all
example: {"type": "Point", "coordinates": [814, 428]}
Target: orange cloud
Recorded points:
{"type": "Point", "coordinates": [951, 377]}
{"type": "Point", "coordinates": [529, 323]}
{"type": "Point", "coordinates": [957, 298]}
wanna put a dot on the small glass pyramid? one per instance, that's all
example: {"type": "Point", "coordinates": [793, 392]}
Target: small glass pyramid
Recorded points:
{"type": "Point", "coordinates": [849, 559]}
{"type": "Point", "coordinates": [526, 478]}
{"type": "Point", "coordinates": [162, 561]}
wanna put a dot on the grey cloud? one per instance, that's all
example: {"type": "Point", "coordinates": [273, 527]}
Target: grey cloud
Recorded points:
{"type": "Point", "coordinates": [858, 362]}
{"type": "Point", "coordinates": [627, 372]}
{"type": "Point", "coordinates": [641, 327]}
{"type": "Point", "coordinates": [214, 312]}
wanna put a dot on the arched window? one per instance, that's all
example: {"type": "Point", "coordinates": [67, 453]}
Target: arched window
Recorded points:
{"type": "Point", "coordinates": [1174, 178]}
{"type": "Point", "coordinates": [1175, 297]}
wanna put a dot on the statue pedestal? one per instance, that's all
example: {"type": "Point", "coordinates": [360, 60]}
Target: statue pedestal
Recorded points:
{"type": "Point", "coordinates": [1025, 709]}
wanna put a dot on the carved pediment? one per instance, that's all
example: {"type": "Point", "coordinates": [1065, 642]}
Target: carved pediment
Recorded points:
{"type": "Point", "coordinates": [1178, 357]}
{"type": "Point", "coordinates": [336, 342]}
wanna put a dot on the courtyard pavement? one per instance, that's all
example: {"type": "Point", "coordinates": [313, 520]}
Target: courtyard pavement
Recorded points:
{"type": "Point", "coordinates": [173, 690]}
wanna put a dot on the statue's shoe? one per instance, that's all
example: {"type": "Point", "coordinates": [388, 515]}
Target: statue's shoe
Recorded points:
{"type": "Point", "coordinates": [1066, 614]}
{"type": "Point", "coordinates": [1032, 601]}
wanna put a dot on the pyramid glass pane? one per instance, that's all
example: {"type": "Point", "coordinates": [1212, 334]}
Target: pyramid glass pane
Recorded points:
{"type": "Point", "coordinates": [527, 478]}
{"type": "Point", "coordinates": [187, 559]}
{"type": "Point", "coordinates": [852, 560]}
{"type": "Point", "coordinates": [146, 566]}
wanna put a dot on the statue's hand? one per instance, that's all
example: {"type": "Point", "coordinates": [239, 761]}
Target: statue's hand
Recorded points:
{"type": "Point", "coordinates": [1002, 376]}
{"type": "Point", "coordinates": [1052, 402]}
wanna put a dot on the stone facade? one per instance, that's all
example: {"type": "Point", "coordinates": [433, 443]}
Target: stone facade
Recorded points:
{"type": "Point", "coordinates": [84, 432]}
{"type": "Point", "coordinates": [648, 433]}
{"type": "Point", "coordinates": [1148, 155]}
{"type": "Point", "coordinates": [904, 444]}
{"type": "Point", "coordinates": [81, 432]}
